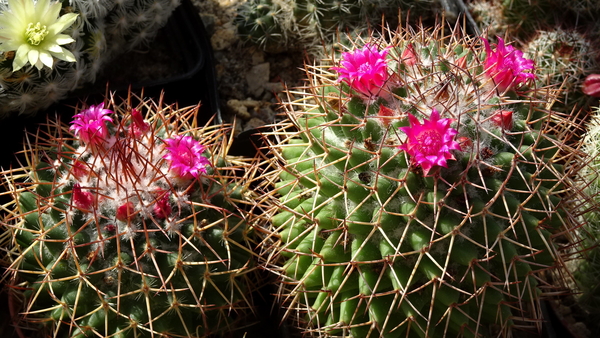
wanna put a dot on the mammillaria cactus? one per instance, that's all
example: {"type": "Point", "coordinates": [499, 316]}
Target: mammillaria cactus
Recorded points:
{"type": "Point", "coordinates": [563, 59]}
{"type": "Point", "coordinates": [416, 192]}
{"type": "Point", "coordinates": [277, 25]}
{"type": "Point", "coordinates": [68, 42]}
{"type": "Point", "coordinates": [131, 226]}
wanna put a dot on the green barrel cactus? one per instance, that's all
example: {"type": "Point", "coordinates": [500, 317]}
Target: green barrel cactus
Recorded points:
{"type": "Point", "coordinates": [131, 227]}
{"type": "Point", "coordinates": [416, 193]}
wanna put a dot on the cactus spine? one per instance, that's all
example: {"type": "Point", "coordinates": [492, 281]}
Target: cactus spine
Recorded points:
{"type": "Point", "coordinates": [375, 243]}
{"type": "Point", "coordinates": [132, 233]}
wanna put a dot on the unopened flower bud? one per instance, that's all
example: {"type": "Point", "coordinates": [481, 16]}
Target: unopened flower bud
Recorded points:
{"type": "Point", "coordinates": [162, 207]}
{"type": "Point", "coordinates": [138, 126]}
{"type": "Point", "coordinates": [386, 113]}
{"type": "Point", "coordinates": [503, 119]}
{"type": "Point", "coordinates": [409, 56]}
{"type": "Point", "coordinates": [125, 212]}
{"type": "Point", "coordinates": [82, 199]}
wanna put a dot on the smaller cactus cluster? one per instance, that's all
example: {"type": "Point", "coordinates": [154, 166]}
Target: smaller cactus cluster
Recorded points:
{"type": "Point", "coordinates": [563, 59]}
{"type": "Point", "coordinates": [74, 40]}
{"type": "Point", "coordinates": [277, 25]}
{"type": "Point", "coordinates": [418, 193]}
{"type": "Point", "coordinates": [131, 227]}
{"type": "Point", "coordinates": [587, 269]}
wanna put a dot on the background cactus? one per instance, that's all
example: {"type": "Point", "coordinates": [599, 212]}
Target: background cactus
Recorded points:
{"type": "Point", "coordinates": [103, 30]}
{"type": "Point", "coordinates": [563, 59]}
{"type": "Point", "coordinates": [127, 227]}
{"type": "Point", "coordinates": [587, 269]}
{"type": "Point", "coordinates": [277, 25]}
{"type": "Point", "coordinates": [384, 230]}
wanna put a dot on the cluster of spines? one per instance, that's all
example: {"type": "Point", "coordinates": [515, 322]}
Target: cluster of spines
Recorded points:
{"type": "Point", "coordinates": [177, 263]}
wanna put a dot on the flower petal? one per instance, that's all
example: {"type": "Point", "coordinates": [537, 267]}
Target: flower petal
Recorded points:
{"type": "Point", "coordinates": [62, 23]}
{"type": "Point", "coordinates": [20, 59]}
{"type": "Point", "coordinates": [46, 59]}
{"type": "Point", "coordinates": [33, 56]}
{"type": "Point", "coordinates": [63, 39]}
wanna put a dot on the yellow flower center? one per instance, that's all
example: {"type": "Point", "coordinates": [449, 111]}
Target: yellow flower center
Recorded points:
{"type": "Point", "coordinates": [36, 33]}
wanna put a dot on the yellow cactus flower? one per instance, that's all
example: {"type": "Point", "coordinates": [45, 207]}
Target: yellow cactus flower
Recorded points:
{"type": "Point", "coordinates": [33, 30]}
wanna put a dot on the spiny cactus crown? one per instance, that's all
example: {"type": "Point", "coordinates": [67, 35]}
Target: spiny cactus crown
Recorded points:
{"type": "Point", "coordinates": [130, 227]}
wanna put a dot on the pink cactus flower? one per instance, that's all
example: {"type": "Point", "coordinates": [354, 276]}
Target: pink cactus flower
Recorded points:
{"type": "Point", "coordinates": [364, 70]}
{"type": "Point", "coordinates": [162, 208]}
{"type": "Point", "coordinates": [90, 124]}
{"type": "Point", "coordinates": [82, 199]}
{"type": "Point", "coordinates": [507, 66]}
{"type": "Point", "coordinates": [138, 126]}
{"type": "Point", "coordinates": [185, 157]}
{"type": "Point", "coordinates": [465, 143]}
{"type": "Point", "coordinates": [430, 144]}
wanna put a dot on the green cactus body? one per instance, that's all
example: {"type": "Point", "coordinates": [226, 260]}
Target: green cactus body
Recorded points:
{"type": "Point", "coordinates": [110, 243]}
{"type": "Point", "coordinates": [370, 247]}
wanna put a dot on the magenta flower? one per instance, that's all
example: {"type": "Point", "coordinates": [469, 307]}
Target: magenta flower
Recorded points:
{"type": "Point", "coordinates": [90, 126]}
{"type": "Point", "coordinates": [185, 156]}
{"type": "Point", "coordinates": [364, 70]}
{"type": "Point", "coordinates": [429, 144]}
{"type": "Point", "coordinates": [507, 66]}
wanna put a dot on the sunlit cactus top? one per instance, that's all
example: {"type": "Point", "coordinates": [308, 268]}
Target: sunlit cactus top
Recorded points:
{"type": "Point", "coordinates": [431, 143]}
{"type": "Point", "coordinates": [34, 32]}
{"type": "Point", "coordinates": [90, 125]}
{"type": "Point", "coordinates": [185, 156]}
{"type": "Point", "coordinates": [364, 70]}
{"type": "Point", "coordinates": [507, 66]}
{"type": "Point", "coordinates": [105, 143]}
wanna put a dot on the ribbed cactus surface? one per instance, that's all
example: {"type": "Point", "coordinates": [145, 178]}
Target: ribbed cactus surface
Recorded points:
{"type": "Point", "coordinates": [131, 227]}
{"type": "Point", "coordinates": [417, 194]}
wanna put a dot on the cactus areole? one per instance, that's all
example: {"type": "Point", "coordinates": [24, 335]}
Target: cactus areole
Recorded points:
{"type": "Point", "coordinates": [127, 227]}
{"type": "Point", "coordinates": [427, 211]}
